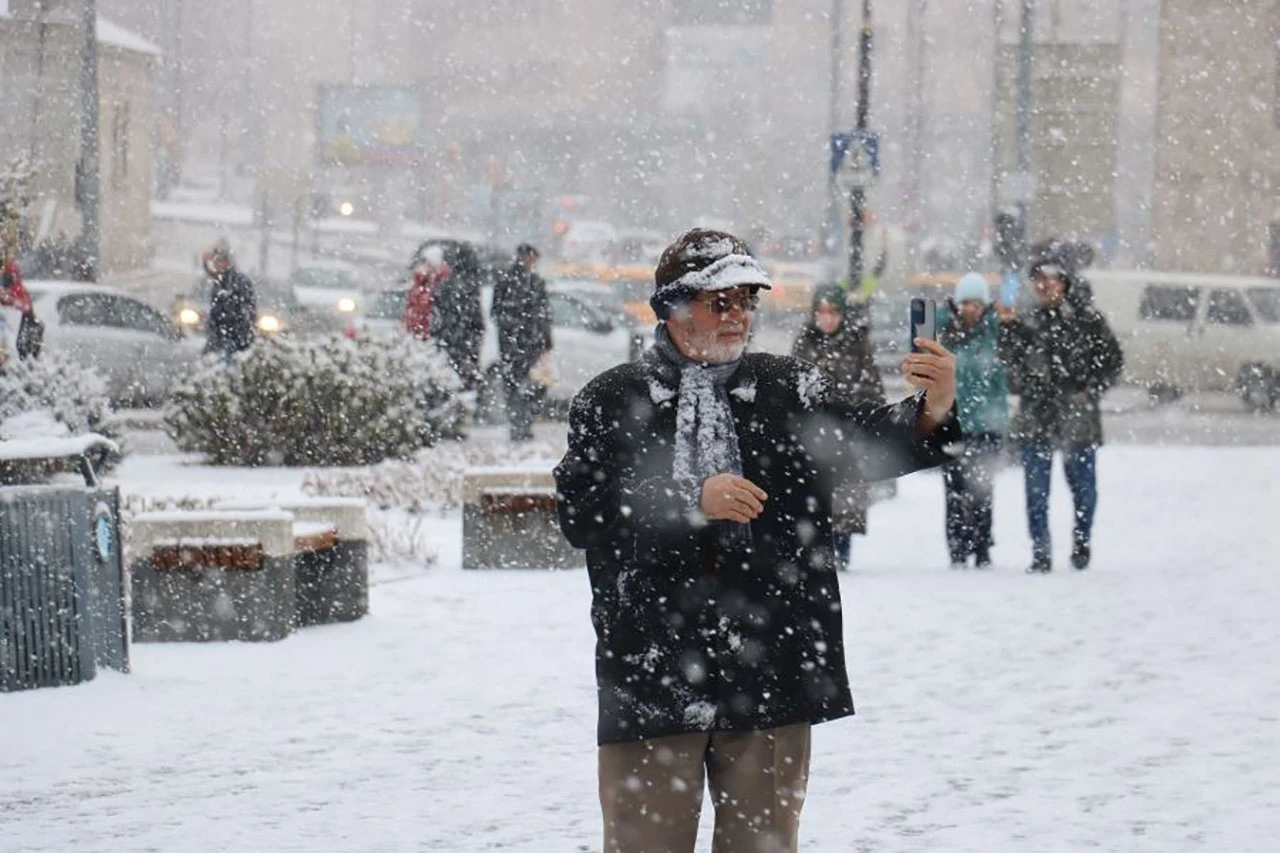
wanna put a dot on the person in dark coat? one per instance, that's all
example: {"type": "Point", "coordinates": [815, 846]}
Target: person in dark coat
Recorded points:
{"type": "Point", "coordinates": [969, 326]}
{"type": "Point", "coordinates": [699, 480]}
{"type": "Point", "coordinates": [233, 310]}
{"type": "Point", "coordinates": [522, 314]}
{"type": "Point", "coordinates": [1062, 356]}
{"type": "Point", "coordinates": [838, 344]}
{"type": "Point", "coordinates": [458, 321]}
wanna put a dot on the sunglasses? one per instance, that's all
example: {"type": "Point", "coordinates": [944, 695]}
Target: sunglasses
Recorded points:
{"type": "Point", "coordinates": [723, 303]}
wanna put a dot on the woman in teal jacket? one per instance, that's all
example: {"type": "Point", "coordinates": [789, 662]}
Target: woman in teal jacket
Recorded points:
{"type": "Point", "coordinates": [970, 327]}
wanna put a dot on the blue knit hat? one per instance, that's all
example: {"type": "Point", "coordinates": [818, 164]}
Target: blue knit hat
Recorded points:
{"type": "Point", "coordinates": [973, 286]}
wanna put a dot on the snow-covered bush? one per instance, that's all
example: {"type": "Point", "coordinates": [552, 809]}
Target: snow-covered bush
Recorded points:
{"type": "Point", "coordinates": [334, 402]}
{"type": "Point", "coordinates": [431, 481]}
{"type": "Point", "coordinates": [73, 396]}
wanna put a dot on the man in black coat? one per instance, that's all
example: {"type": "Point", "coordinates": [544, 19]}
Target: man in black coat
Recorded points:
{"type": "Point", "coordinates": [458, 321]}
{"type": "Point", "coordinates": [699, 480]}
{"type": "Point", "coordinates": [522, 314]}
{"type": "Point", "coordinates": [1062, 356]}
{"type": "Point", "coordinates": [233, 310]}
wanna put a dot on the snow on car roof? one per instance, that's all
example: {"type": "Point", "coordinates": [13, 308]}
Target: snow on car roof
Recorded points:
{"type": "Point", "coordinates": [49, 286]}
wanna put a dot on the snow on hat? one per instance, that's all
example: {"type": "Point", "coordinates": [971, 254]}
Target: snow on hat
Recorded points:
{"type": "Point", "coordinates": [702, 259]}
{"type": "Point", "coordinates": [973, 286]}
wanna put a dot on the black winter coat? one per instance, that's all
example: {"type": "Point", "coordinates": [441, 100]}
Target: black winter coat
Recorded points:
{"type": "Point", "coordinates": [847, 358]}
{"type": "Point", "coordinates": [691, 637]}
{"type": "Point", "coordinates": [522, 313]}
{"type": "Point", "coordinates": [233, 313]}
{"type": "Point", "coordinates": [457, 320]}
{"type": "Point", "coordinates": [1060, 360]}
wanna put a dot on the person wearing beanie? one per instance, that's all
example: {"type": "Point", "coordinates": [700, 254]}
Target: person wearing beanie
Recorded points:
{"type": "Point", "coordinates": [699, 481]}
{"type": "Point", "coordinates": [969, 326]}
{"type": "Point", "coordinates": [833, 340]}
{"type": "Point", "coordinates": [1062, 356]}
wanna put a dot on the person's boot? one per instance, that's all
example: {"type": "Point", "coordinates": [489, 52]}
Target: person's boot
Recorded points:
{"type": "Point", "coordinates": [959, 560]}
{"type": "Point", "coordinates": [982, 557]}
{"type": "Point", "coordinates": [1080, 556]}
{"type": "Point", "coordinates": [1040, 566]}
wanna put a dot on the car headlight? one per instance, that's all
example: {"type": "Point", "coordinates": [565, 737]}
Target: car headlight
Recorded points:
{"type": "Point", "coordinates": [347, 305]}
{"type": "Point", "coordinates": [189, 317]}
{"type": "Point", "coordinates": [269, 323]}
{"type": "Point", "coordinates": [346, 208]}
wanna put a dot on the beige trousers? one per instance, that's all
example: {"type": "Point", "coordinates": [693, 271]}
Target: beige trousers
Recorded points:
{"type": "Point", "coordinates": [651, 791]}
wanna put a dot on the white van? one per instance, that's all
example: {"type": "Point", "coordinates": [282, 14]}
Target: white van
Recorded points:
{"type": "Point", "coordinates": [1193, 332]}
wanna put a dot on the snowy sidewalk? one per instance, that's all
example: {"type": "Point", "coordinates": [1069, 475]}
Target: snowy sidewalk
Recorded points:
{"type": "Point", "coordinates": [1129, 708]}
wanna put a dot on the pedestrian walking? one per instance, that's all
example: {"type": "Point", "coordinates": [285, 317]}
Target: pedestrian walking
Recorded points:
{"type": "Point", "coordinates": [699, 480]}
{"type": "Point", "coordinates": [428, 271]}
{"type": "Point", "coordinates": [233, 312]}
{"type": "Point", "coordinates": [522, 314]}
{"type": "Point", "coordinates": [1062, 356]}
{"type": "Point", "coordinates": [969, 326]}
{"type": "Point", "coordinates": [835, 341]}
{"type": "Point", "coordinates": [458, 320]}
{"type": "Point", "coordinates": [29, 340]}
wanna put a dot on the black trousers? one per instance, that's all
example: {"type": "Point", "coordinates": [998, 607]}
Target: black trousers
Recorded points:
{"type": "Point", "coordinates": [522, 397]}
{"type": "Point", "coordinates": [969, 482]}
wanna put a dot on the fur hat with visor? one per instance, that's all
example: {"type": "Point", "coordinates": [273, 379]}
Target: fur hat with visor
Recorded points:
{"type": "Point", "coordinates": [701, 260]}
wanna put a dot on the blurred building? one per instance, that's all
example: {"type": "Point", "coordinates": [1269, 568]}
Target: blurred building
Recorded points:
{"type": "Point", "coordinates": [654, 112]}
{"type": "Point", "coordinates": [1076, 71]}
{"type": "Point", "coordinates": [40, 61]}
{"type": "Point", "coordinates": [1215, 200]}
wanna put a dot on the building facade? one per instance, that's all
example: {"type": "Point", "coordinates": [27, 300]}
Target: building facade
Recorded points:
{"type": "Point", "coordinates": [1216, 195]}
{"type": "Point", "coordinates": [39, 94]}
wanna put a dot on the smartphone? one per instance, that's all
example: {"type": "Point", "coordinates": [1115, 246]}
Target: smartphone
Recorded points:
{"type": "Point", "coordinates": [924, 320]}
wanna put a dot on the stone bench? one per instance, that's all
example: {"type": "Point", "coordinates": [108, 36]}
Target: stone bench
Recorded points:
{"type": "Point", "coordinates": [331, 569]}
{"type": "Point", "coordinates": [509, 520]}
{"type": "Point", "coordinates": [213, 575]}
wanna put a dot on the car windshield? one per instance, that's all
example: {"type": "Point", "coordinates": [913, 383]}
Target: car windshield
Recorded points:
{"type": "Point", "coordinates": [1267, 302]}
{"type": "Point", "coordinates": [388, 305]}
{"type": "Point", "coordinates": [322, 277]}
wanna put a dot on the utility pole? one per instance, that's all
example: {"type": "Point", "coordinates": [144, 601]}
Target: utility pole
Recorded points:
{"type": "Point", "coordinates": [917, 37]}
{"type": "Point", "coordinates": [831, 236]}
{"type": "Point", "coordinates": [858, 195]}
{"type": "Point", "coordinates": [1024, 122]}
{"type": "Point", "coordinates": [997, 115]}
{"type": "Point", "coordinates": [87, 172]}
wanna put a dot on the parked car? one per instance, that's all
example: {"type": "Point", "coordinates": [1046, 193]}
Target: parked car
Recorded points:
{"type": "Point", "coordinates": [1188, 332]}
{"type": "Point", "coordinates": [586, 342]}
{"type": "Point", "coordinates": [139, 351]}
{"type": "Point", "coordinates": [331, 291]}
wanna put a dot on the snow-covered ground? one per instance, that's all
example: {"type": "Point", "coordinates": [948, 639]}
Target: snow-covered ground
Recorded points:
{"type": "Point", "coordinates": [1129, 708]}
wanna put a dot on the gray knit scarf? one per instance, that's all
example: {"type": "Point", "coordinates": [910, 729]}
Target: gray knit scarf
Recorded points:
{"type": "Point", "coordinates": [706, 439]}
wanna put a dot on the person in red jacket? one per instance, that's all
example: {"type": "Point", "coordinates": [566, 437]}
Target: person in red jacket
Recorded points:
{"type": "Point", "coordinates": [430, 270]}
{"type": "Point", "coordinates": [13, 293]}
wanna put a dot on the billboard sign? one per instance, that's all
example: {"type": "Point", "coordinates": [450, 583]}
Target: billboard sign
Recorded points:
{"type": "Point", "coordinates": [370, 125]}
